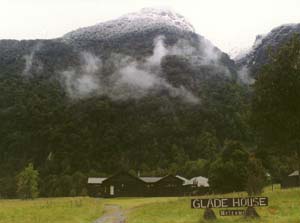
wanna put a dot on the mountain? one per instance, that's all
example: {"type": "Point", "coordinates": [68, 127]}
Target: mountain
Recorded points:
{"type": "Point", "coordinates": [143, 21]}
{"type": "Point", "coordinates": [142, 92]}
{"type": "Point", "coordinates": [259, 54]}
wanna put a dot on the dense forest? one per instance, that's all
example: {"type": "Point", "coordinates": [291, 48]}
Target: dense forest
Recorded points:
{"type": "Point", "coordinates": [96, 136]}
{"type": "Point", "coordinates": [68, 140]}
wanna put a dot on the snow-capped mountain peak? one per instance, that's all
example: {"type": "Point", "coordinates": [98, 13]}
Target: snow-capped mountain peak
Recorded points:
{"type": "Point", "coordinates": [159, 15]}
{"type": "Point", "coordinates": [145, 19]}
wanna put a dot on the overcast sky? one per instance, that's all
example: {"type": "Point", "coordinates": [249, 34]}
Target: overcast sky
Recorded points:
{"type": "Point", "coordinates": [229, 24]}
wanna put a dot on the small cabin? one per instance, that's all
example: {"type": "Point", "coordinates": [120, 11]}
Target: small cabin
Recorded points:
{"type": "Point", "coordinates": [124, 184]}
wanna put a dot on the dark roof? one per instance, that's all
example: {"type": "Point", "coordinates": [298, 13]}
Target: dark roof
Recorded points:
{"type": "Point", "coordinates": [123, 173]}
{"type": "Point", "coordinates": [94, 180]}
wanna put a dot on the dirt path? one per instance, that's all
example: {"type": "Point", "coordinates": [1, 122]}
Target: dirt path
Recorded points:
{"type": "Point", "coordinates": [113, 214]}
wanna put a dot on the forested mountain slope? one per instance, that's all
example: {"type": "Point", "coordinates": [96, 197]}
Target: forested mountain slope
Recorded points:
{"type": "Point", "coordinates": [143, 92]}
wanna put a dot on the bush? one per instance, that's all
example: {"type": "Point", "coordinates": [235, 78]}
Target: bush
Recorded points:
{"type": "Point", "coordinates": [229, 172]}
{"type": "Point", "coordinates": [27, 183]}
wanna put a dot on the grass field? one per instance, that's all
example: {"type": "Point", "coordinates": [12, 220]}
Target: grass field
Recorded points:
{"type": "Point", "coordinates": [60, 210]}
{"type": "Point", "coordinates": [284, 207]}
{"type": "Point", "coordinates": [65, 210]}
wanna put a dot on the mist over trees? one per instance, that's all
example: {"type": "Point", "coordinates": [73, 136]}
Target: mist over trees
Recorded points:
{"type": "Point", "coordinates": [98, 137]}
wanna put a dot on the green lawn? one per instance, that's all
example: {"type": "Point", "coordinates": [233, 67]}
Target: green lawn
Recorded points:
{"type": "Point", "coordinates": [284, 207]}
{"type": "Point", "coordinates": [52, 210]}
{"type": "Point", "coordinates": [64, 210]}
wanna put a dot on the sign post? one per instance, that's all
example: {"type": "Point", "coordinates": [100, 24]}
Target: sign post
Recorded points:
{"type": "Point", "coordinates": [237, 202]}
{"type": "Point", "coordinates": [209, 214]}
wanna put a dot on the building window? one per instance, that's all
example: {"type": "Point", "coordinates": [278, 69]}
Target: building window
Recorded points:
{"type": "Point", "coordinates": [171, 185]}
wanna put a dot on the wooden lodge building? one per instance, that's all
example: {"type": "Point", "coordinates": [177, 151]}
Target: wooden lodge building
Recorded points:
{"type": "Point", "coordinates": [292, 180]}
{"type": "Point", "coordinates": [124, 184]}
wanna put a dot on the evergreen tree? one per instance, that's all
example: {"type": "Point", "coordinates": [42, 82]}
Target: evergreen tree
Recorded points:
{"type": "Point", "coordinates": [276, 107]}
{"type": "Point", "coordinates": [256, 176]}
{"type": "Point", "coordinates": [229, 172]}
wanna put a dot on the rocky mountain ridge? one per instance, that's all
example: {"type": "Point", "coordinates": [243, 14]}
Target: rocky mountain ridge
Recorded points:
{"type": "Point", "coordinates": [265, 44]}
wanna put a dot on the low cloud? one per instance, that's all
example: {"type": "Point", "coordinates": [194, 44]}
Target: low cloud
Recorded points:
{"type": "Point", "coordinates": [91, 63]}
{"type": "Point", "coordinates": [131, 79]}
{"type": "Point", "coordinates": [30, 59]}
{"type": "Point", "coordinates": [84, 82]}
{"type": "Point", "coordinates": [121, 77]}
{"type": "Point", "coordinates": [159, 52]}
{"type": "Point", "coordinates": [244, 76]}
{"type": "Point", "coordinates": [132, 76]}
{"type": "Point", "coordinates": [80, 86]}
{"type": "Point", "coordinates": [211, 55]}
